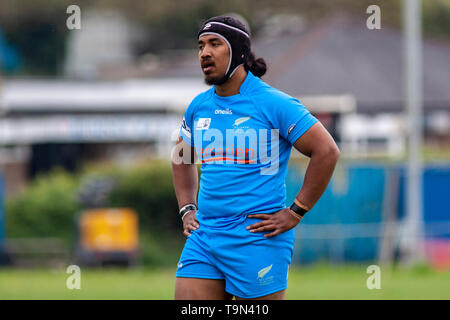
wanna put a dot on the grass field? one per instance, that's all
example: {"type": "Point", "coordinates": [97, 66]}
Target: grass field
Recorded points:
{"type": "Point", "coordinates": [317, 282]}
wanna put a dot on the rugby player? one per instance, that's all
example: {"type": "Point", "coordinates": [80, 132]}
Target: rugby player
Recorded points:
{"type": "Point", "coordinates": [240, 234]}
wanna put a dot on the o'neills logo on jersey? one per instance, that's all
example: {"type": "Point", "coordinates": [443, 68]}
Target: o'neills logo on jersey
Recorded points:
{"type": "Point", "coordinates": [220, 111]}
{"type": "Point", "coordinates": [291, 128]}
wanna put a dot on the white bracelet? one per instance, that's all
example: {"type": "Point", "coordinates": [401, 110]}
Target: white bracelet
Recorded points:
{"type": "Point", "coordinates": [187, 208]}
{"type": "Point", "coordinates": [182, 218]}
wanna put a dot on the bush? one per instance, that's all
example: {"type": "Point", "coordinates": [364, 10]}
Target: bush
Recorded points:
{"type": "Point", "coordinates": [45, 209]}
{"type": "Point", "coordinates": [48, 206]}
{"type": "Point", "coordinates": [145, 187]}
{"type": "Point", "coordinates": [160, 249]}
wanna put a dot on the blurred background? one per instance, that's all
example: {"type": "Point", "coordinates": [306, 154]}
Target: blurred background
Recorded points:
{"type": "Point", "coordinates": [88, 118]}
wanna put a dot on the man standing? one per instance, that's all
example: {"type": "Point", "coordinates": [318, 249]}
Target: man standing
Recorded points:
{"type": "Point", "coordinates": [240, 233]}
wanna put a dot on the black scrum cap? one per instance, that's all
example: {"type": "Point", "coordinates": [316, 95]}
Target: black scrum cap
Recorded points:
{"type": "Point", "coordinates": [235, 34]}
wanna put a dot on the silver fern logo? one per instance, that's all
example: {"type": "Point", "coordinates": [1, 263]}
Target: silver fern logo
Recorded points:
{"type": "Point", "coordinates": [264, 271]}
{"type": "Point", "coordinates": [240, 121]}
{"type": "Point", "coordinates": [263, 278]}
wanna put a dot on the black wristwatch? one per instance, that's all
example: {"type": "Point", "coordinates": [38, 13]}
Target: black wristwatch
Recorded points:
{"type": "Point", "coordinates": [298, 210]}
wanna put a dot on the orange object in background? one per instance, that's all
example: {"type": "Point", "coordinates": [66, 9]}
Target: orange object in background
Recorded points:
{"type": "Point", "coordinates": [438, 253]}
{"type": "Point", "coordinates": [109, 230]}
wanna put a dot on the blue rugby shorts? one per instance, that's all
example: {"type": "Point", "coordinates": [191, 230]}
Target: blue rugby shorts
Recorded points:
{"type": "Point", "coordinates": [251, 264]}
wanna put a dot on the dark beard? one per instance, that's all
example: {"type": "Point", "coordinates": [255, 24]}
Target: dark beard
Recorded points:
{"type": "Point", "coordinates": [216, 81]}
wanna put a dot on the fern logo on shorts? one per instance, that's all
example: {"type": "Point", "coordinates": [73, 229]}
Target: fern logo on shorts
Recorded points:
{"type": "Point", "coordinates": [264, 271]}
{"type": "Point", "coordinates": [263, 280]}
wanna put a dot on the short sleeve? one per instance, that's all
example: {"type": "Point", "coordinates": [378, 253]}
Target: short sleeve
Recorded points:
{"type": "Point", "coordinates": [186, 125]}
{"type": "Point", "coordinates": [293, 119]}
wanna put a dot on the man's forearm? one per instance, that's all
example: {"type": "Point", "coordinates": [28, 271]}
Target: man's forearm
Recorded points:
{"type": "Point", "coordinates": [185, 181]}
{"type": "Point", "coordinates": [318, 175]}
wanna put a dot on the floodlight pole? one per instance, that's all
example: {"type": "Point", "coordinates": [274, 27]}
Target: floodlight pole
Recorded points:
{"type": "Point", "coordinates": [413, 238]}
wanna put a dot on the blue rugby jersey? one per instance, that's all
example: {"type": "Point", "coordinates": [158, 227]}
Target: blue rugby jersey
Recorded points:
{"type": "Point", "coordinates": [243, 143]}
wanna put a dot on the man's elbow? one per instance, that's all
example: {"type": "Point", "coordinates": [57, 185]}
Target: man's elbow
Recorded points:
{"type": "Point", "coordinates": [330, 152]}
{"type": "Point", "coordinates": [333, 152]}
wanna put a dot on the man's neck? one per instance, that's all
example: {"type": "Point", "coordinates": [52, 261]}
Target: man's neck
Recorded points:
{"type": "Point", "coordinates": [232, 86]}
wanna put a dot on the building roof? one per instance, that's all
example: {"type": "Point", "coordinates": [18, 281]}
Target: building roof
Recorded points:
{"type": "Point", "coordinates": [336, 59]}
{"type": "Point", "coordinates": [343, 56]}
{"type": "Point", "coordinates": [340, 56]}
{"type": "Point", "coordinates": [154, 95]}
